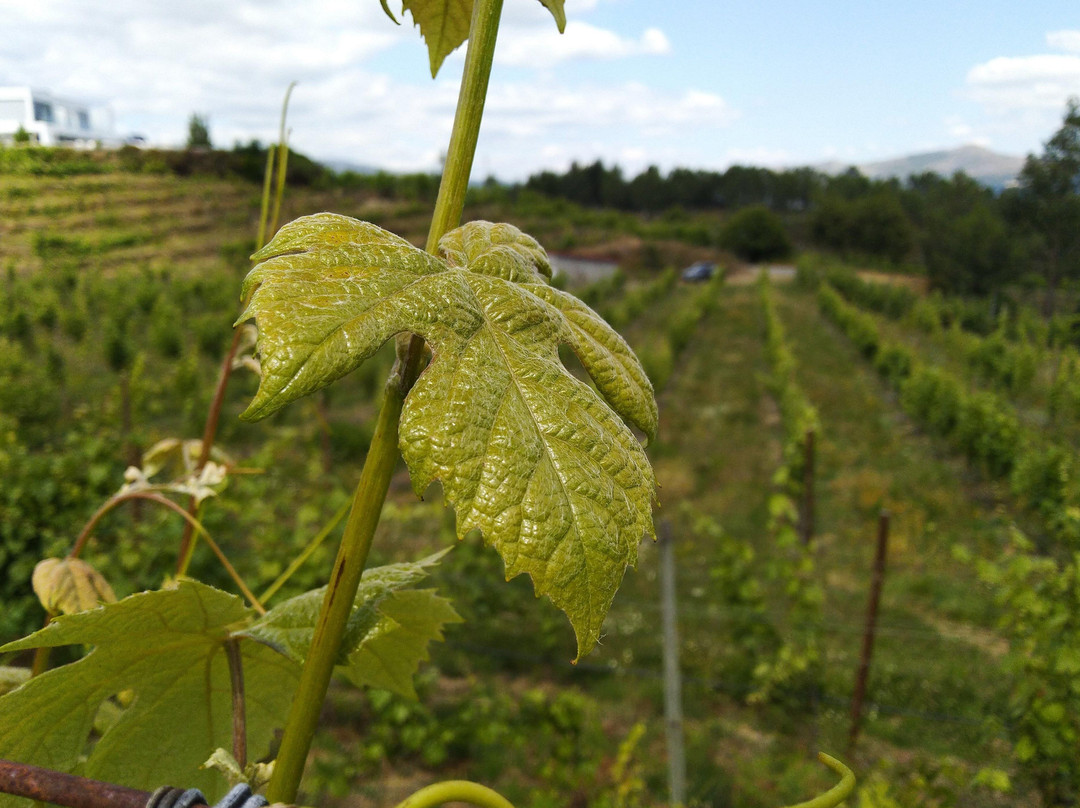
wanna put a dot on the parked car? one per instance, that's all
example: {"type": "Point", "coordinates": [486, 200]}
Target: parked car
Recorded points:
{"type": "Point", "coordinates": [701, 271]}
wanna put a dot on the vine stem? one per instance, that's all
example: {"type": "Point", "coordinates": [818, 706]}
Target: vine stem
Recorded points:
{"type": "Point", "coordinates": [455, 791]}
{"type": "Point", "coordinates": [192, 522]}
{"type": "Point", "coordinates": [383, 452]}
{"type": "Point", "coordinates": [239, 705]}
{"type": "Point", "coordinates": [213, 417]}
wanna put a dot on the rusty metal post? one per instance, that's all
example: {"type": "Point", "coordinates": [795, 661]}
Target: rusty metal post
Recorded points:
{"type": "Point", "coordinates": [69, 790]}
{"type": "Point", "coordinates": [871, 626]}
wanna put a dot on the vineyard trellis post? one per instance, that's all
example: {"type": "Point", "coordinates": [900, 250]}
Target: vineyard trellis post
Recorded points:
{"type": "Point", "coordinates": [871, 626]}
{"type": "Point", "coordinates": [673, 716]}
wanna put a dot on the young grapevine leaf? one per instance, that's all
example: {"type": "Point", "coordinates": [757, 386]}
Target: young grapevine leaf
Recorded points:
{"type": "Point", "coordinates": [530, 455]}
{"type": "Point", "coordinates": [69, 585]}
{"type": "Point", "coordinates": [389, 654]}
{"type": "Point", "coordinates": [168, 647]}
{"type": "Point", "coordinates": [444, 24]}
{"type": "Point", "coordinates": [388, 631]}
{"type": "Point", "coordinates": [165, 652]}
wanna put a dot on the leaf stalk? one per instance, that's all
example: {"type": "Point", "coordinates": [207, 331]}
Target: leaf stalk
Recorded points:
{"type": "Point", "coordinates": [383, 452]}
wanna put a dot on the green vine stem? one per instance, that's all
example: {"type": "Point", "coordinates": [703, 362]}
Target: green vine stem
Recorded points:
{"type": "Point", "coordinates": [264, 209]}
{"type": "Point", "coordinates": [192, 522]}
{"type": "Point", "coordinates": [337, 605]}
{"type": "Point", "coordinates": [239, 705]}
{"type": "Point", "coordinates": [838, 793]}
{"type": "Point", "coordinates": [41, 655]}
{"type": "Point", "coordinates": [213, 416]}
{"type": "Point", "coordinates": [450, 202]}
{"type": "Point", "coordinates": [383, 452]}
{"type": "Point", "coordinates": [455, 791]}
{"type": "Point", "coordinates": [305, 554]}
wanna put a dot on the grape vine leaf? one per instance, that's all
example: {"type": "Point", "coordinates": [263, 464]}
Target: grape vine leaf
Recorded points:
{"type": "Point", "coordinates": [167, 650]}
{"type": "Point", "coordinates": [444, 24]}
{"type": "Point", "coordinates": [527, 453]}
{"type": "Point", "coordinates": [388, 631]}
{"type": "Point", "coordinates": [168, 647]}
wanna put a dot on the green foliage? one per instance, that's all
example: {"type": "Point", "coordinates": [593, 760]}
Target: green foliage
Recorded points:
{"type": "Point", "coordinates": [1040, 601]}
{"type": "Point", "coordinates": [167, 646]}
{"type": "Point", "coordinates": [552, 741]}
{"type": "Point", "coordinates": [634, 301]}
{"type": "Point", "coordinates": [980, 424]}
{"type": "Point", "coordinates": [198, 131]}
{"type": "Point", "coordinates": [875, 225]}
{"type": "Point", "coordinates": [894, 301]}
{"type": "Point", "coordinates": [791, 676]}
{"type": "Point", "coordinates": [756, 234]}
{"type": "Point", "coordinates": [530, 451]}
{"type": "Point", "coordinates": [971, 253]}
{"type": "Point", "coordinates": [596, 185]}
{"type": "Point", "coordinates": [932, 782]}
{"type": "Point", "coordinates": [860, 328]}
{"type": "Point", "coordinates": [1047, 204]}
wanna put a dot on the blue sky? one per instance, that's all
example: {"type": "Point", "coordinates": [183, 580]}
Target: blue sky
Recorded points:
{"type": "Point", "coordinates": [703, 84]}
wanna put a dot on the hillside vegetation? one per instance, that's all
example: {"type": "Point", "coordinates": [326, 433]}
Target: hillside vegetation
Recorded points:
{"type": "Point", "coordinates": [117, 298]}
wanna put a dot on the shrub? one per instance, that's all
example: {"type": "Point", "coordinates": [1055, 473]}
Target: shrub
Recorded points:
{"type": "Point", "coordinates": [756, 234]}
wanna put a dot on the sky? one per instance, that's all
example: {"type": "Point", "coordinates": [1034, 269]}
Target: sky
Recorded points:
{"type": "Point", "coordinates": [703, 84]}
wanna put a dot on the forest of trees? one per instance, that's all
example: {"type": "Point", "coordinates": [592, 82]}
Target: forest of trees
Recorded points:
{"type": "Point", "coordinates": [967, 238]}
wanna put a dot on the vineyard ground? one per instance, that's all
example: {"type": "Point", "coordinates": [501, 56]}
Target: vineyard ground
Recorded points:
{"type": "Point", "coordinates": [937, 687]}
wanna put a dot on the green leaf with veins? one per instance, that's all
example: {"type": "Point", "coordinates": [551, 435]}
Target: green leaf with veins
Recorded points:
{"type": "Point", "coordinates": [168, 647]}
{"type": "Point", "coordinates": [390, 653]}
{"type": "Point", "coordinates": [388, 631]}
{"type": "Point", "coordinates": [444, 24]}
{"type": "Point", "coordinates": [530, 455]}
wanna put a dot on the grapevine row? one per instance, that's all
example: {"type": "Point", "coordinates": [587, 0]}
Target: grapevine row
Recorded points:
{"type": "Point", "coordinates": [983, 426]}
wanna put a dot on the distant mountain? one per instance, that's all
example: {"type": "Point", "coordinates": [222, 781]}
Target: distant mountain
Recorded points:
{"type": "Point", "coordinates": [988, 167]}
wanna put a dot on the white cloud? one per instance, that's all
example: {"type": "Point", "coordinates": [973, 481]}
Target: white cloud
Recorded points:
{"type": "Point", "coordinates": [1043, 81]}
{"type": "Point", "coordinates": [545, 46]}
{"type": "Point", "coordinates": [1068, 41]}
{"type": "Point", "coordinates": [155, 64]}
{"type": "Point", "coordinates": [1039, 82]}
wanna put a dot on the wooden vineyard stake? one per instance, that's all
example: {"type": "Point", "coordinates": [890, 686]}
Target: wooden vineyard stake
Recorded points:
{"type": "Point", "coordinates": [871, 624]}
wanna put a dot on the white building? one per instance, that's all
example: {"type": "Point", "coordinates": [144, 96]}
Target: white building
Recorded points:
{"type": "Point", "coordinates": [51, 120]}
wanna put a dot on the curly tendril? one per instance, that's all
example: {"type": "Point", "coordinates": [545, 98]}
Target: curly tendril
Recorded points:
{"type": "Point", "coordinates": [455, 791]}
{"type": "Point", "coordinates": [838, 793]}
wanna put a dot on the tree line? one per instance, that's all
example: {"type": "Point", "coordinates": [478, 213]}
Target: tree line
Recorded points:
{"type": "Point", "coordinates": [967, 238]}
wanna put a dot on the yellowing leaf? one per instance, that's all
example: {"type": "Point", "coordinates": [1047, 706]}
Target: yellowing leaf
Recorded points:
{"type": "Point", "coordinates": [166, 646]}
{"type": "Point", "coordinates": [70, 585]}
{"type": "Point", "coordinates": [444, 24]}
{"type": "Point", "coordinates": [530, 455]}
